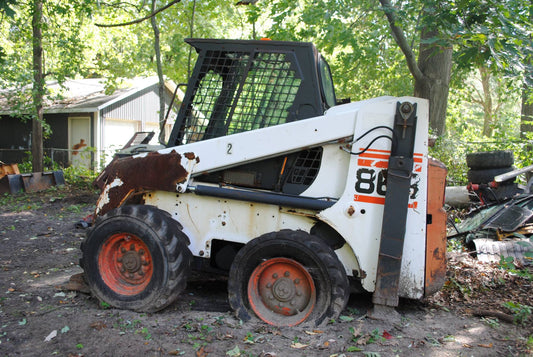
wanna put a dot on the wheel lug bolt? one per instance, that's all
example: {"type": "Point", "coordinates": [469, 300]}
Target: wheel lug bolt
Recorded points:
{"type": "Point", "coordinates": [287, 274]}
{"type": "Point", "coordinates": [145, 263]}
{"type": "Point", "coordinates": [131, 276]}
{"type": "Point", "coordinates": [297, 281]}
{"type": "Point", "coordinates": [275, 275]}
{"type": "Point", "coordinates": [132, 247]}
{"type": "Point", "coordinates": [141, 251]}
{"type": "Point", "coordinates": [122, 269]}
{"type": "Point", "coordinates": [141, 273]}
{"type": "Point", "coordinates": [123, 250]}
{"type": "Point", "coordinates": [298, 293]}
{"type": "Point", "coordinates": [269, 285]}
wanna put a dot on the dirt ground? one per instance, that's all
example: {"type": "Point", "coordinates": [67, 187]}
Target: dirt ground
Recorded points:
{"type": "Point", "coordinates": [39, 252]}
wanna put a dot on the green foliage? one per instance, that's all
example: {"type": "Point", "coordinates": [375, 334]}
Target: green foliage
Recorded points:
{"type": "Point", "coordinates": [465, 119]}
{"type": "Point", "coordinates": [521, 313]}
{"type": "Point", "coordinates": [355, 40]}
{"type": "Point", "coordinates": [353, 349]}
{"type": "Point", "coordinates": [455, 245]}
{"type": "Point", "coordinates": [145, 333]}
{"type": "Point", "coordinates": [354, 36]}
{"type": "Point", "coordinates": [529, 342]}
{"type": "Point", "coordinates": [508, 263]}
{"type": "Point", "coordinates": [80, 177]}
{"type": "Point", "coordinates": [452, 152]}
{"type": "Point", "coordinates": [496, 34]}
{"type": "Point", "coordinates": [5, 7]}
{"type": "Point", "coordinates": [127, 51]}
{"type": "Point", "coordinates": [493, 323]}
{"type": "Point", "coordinates": [234, 352]}
{"type": "Point", "coordinates": [26, 165]}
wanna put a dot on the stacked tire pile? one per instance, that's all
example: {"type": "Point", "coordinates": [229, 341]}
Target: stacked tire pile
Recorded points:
{"type": "Point", "coordinates": [483, 167]}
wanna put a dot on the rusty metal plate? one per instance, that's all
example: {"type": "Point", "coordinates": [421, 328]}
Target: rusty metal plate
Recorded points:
{"type": "Point", "coordinates": [126, 176]}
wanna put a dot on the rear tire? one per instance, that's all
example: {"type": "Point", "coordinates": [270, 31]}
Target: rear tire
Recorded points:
{"type": "Point", "coordinates": [489, 159]}
{"type": "Point", "coordinates": [136, 257]}
{"type": "Point", "coordinates": [487, 175]}
{"type": "Point", "coordinates": [287, 278]}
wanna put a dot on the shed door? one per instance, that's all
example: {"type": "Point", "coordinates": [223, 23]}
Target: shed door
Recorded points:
{"type": "Point", "coordinates": [79, 141]}
{"type": "Point", "coordinates": [116, 134]}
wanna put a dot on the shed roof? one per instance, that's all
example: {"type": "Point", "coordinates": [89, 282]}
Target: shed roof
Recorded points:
{"type": "Point", "coordinates": [81, 95]}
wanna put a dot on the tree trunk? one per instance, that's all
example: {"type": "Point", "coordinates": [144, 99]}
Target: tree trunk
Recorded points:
{"type": "Point", "coordinates": [435, 63]}
{"type": "Point", "coordinates": [431, 72]}
{"type": "Point", "coordinates": [38, 88]}
{"type": "Point", "coordinates": [488, 114]}
{"type": "Point", "coordinates": [161, 87]}
{"type": "Point", "coordinates": [526, 121]}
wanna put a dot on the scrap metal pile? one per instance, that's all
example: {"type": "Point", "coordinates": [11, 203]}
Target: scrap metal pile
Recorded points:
{"type": "Point", "coordinates": [501, 222]}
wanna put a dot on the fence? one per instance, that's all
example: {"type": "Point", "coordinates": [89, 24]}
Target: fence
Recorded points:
{"type": "Point", "coordinates": [57, 157]}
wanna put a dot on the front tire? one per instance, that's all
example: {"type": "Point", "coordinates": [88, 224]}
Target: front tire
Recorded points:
{"type": "Point", "coordinates": [136, 257]}
{"type": "Point", "coordinates": [287, 278]}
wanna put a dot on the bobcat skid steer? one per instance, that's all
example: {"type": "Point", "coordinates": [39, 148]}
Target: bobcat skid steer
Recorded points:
{"type": "Point", "coordinates": [266, 178]}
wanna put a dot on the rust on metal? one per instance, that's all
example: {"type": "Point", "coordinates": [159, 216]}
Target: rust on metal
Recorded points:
{"type": "Point", "coordinates": [281, 292]}
{"type": "Point", "coordinates": [191, 156]}
{"type": "Point", "coordinates": [126, 264]}
{"type": "Point", "coordinates": [524, 230]}
{"type": "Point", "coordinates": [362, 274]}
{"type": "Point", "coordinates": [127, 176]}
{"type": "Point", "coordinates": [8, 169]}
{"type": "Point", "coordinates": [350, 211]}
{"type": "Point", "coordinates": [78, 146]}
{"type": "Point", "coordinates": [31, 182]}
{"type": "Point", "coordinates": [436, 229]}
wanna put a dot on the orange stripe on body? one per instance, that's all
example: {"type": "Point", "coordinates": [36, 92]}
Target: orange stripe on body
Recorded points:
{"type": "Point", "coordinates": [373, 163]}
{"type": "Point", "coordinates": [379, 200]}
{"type": "Point", "coordinates": [369, 199]}
{"type": "Point", "coordinates": [375, 156]}
{"type": "Point", "coordinates": [376, 150]}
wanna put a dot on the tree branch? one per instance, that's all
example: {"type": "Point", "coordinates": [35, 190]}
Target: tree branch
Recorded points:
{"type": "Point", "coordinates": [400, 39]}
{"type": "Point", "coordinates": [142, 19]}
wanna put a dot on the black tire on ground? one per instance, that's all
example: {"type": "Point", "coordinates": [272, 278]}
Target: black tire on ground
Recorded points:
{"type": "Point", "coordinates": [136, 257]}
{"type": "Point", "coordinates": [317, 260]}
{"type": "Point", "coordinates": [489, 159]}
{"type": "Point", "coordinates": [487, 175]}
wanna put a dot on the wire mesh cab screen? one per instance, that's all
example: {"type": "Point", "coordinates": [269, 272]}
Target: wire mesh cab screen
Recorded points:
{"type": "Point", "coordinates": [240, 85]}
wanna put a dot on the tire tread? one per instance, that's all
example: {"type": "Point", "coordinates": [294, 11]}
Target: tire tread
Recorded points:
{"type": "Point", "coordinates": [173, 240]}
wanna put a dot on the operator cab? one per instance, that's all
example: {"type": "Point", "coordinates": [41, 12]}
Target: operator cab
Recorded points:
{"type": "Point", "coordinates": [240, 85]}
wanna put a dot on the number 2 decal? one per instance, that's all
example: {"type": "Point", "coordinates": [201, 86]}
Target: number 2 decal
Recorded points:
{"type": "Point", "coordinates": [230, 146]}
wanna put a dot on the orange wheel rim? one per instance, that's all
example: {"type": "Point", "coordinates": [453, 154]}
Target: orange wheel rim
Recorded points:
{"type": "Point", "coordinates": [125, 264]}
{"type": "Point", "coordinates": [281, 292]}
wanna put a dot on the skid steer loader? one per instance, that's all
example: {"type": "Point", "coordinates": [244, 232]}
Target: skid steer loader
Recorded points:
{"type": "Point", "coordinates": [297, 197]}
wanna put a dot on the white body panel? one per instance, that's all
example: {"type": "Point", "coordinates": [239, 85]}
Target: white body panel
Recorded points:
{"type": "Point", "coordinates": [352, 179]}
{"type": "Point", "coordinates": [362, 229]}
